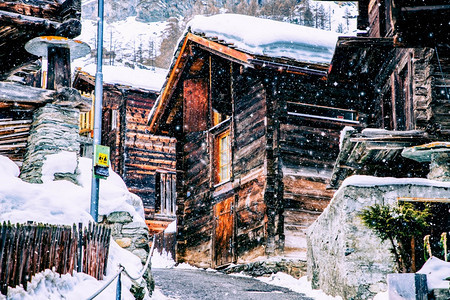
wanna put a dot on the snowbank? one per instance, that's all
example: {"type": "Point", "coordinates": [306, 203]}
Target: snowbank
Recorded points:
{"type": "Point", "coordinates": [437, 271]}
{"type": "Point", "coordinates": [267, 37]}
{"type": "Point", "coordinates": [62, 202]}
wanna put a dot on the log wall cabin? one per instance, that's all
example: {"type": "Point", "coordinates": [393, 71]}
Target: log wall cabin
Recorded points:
{"type": "Point", "coordinates": [145, 162]}
{"type": "Point", "coordinates": [401, 65]}
{"type": "Point", "coordinates": [257, 137]}
{"type": "Point", "coordinates": [20, 21]}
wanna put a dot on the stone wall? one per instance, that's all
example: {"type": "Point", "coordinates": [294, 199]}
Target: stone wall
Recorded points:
{"type": "Point", "coordinates": [129, 234]}
{"type": "Point", "coordinates": [345, 258]}
{"type": "Point", "coordinates": [54, 129]}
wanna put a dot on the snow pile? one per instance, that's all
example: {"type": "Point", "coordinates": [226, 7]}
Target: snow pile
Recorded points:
{"type": "Point", "coordinates": [437, 271]}
{"type": "Point", "coordinates": [162, 260]}
{"type": "Point", "coordinates": [301, 285]}
{"type": "Point", "coordinates": [151, 80]}
{"type": "Point", "coordinates": [62, 202]}
{"type": "Point", "coordinates": [268, 37]}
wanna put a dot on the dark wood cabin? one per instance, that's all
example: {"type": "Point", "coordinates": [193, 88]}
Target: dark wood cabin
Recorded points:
{"type": "Point", "coordinates": [257, 138]}
{"type": "Point", "coordinates": [145, 162]}
{"type": "Point", "coordinates": [401, 67]}
{"type": "Point", "coordinates": [20, 21]}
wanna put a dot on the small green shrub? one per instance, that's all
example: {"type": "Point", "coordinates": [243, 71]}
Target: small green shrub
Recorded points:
{"type": "Point", "coordinates": [399, 225]}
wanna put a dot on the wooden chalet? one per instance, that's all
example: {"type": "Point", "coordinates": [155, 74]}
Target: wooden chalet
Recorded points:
{"type": "Point", "coordinates": [20, 21]}
{"type": "Point", "coordinates": [145, 162]}
{"type": "Point", "coordinates": [257, 138]}
{"type": "Point", "coordinates": [400, 66]}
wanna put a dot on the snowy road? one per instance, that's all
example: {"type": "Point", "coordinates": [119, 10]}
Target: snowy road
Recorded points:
{"type": "Point", "coordinates": [187, 284]}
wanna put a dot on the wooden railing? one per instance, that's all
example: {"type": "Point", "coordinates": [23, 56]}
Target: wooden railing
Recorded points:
{"type": "Point", "coordinates": [87, 119]}
{"type": "Point", "coordinates": [31, 248]}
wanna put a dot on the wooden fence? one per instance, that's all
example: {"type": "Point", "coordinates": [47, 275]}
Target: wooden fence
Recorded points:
{"type": "Point", "coordinates": [31, 248]}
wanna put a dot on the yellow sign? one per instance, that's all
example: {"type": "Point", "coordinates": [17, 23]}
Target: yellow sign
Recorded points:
{"type": "Point", "coordinates": [101, 156]}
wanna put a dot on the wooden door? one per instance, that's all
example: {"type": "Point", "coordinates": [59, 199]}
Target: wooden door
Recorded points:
{"type": "Point", "coordinates": [223, 239]}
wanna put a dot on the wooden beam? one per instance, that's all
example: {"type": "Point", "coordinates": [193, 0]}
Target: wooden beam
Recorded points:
{"type": "Point", "coordinates": [17, 93]}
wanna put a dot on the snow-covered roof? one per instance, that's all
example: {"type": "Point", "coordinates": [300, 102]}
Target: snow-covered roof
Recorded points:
{"type": "Point", "coordinates": [267, 37]}
{"type": "Point", "coordinates": [152, 80]}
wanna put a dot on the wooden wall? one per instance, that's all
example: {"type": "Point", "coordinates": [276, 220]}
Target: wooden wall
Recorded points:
{"type": "Point", "coordinates": [308, 149]}
{"type": "Point", "coordinates": [429, 101]}
{"type": "Point", "coordinates": [249, 163]}
{"type": "Point", "coordinates": [193, 200]}
{"type": "Point", "coordinates": [441, 88]}
{"type": "Point", "coordinates": [204, 240]}
{"type": "Point", "coordinates": [135, 154]}
{"type": "Point", "coordinates": [142, 153]}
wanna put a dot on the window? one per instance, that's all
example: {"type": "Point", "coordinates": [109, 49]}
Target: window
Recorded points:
{"type": "Point", "coordinates": [113, 119]}
{"type": "Point", "coordinates": [223, 157]}
{"type": "Point", "coordinates": [165, 188]}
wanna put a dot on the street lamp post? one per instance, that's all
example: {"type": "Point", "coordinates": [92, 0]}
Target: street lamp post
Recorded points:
{"type": "Point", "coordinates": [97, 110]}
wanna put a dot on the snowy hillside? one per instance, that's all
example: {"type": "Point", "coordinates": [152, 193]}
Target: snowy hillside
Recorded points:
{"type": "Point", "coordinates": [131, 40]}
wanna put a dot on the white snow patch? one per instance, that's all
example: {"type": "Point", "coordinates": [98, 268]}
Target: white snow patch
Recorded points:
{"type": "Point", "coordinates": [186, 266]}
{"type": "Point", "coordinates": [162, 260]}
{"type": "Point", "coordinates": [301, 285]}
{"type": "Point", "coordinates": [8, 168]}
{"type": "Point", "coordinates": [268, 37]}
{"type": "Point", "coordinates": [172, 228]}
{"type": "Point", "coordinates": [363, 180]}
{"type": "Point", "coordinates": [436, 270]}
{"type": "Point", "coordinates": [64, 202]}
{"type": "Point", "coordinates": [382, 296]}
{"type": "Point", "coordinates": [62, 162]}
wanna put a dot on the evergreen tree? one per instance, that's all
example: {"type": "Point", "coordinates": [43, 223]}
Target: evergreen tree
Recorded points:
{"type": "Point", "coordinates": [347, 17]}
{"type": "Point", "coordinates": [308, 16]}
{"type": "Point", "coordinates": [253, 8]}
{"type": "Point", "coordinates": [171, 36]}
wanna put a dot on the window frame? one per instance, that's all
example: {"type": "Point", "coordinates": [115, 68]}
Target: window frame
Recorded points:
{"type": "Point", "coordinates": [162, 187]}
{"type": "Point", "coordinates": [219, 165]}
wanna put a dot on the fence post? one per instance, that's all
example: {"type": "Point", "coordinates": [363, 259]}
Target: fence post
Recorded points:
{"type": "Point", "coordinates": [80, 250]}
{"type": "Point", "coordinates": [119, 287]}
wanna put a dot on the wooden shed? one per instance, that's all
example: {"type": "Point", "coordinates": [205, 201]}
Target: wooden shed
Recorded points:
{"type": "Point", "coordinates": [257, 137]}
{"type": "Point", "coordinates": [145, 162]}
{"type": "Point", "coordinates": [401, 65]}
